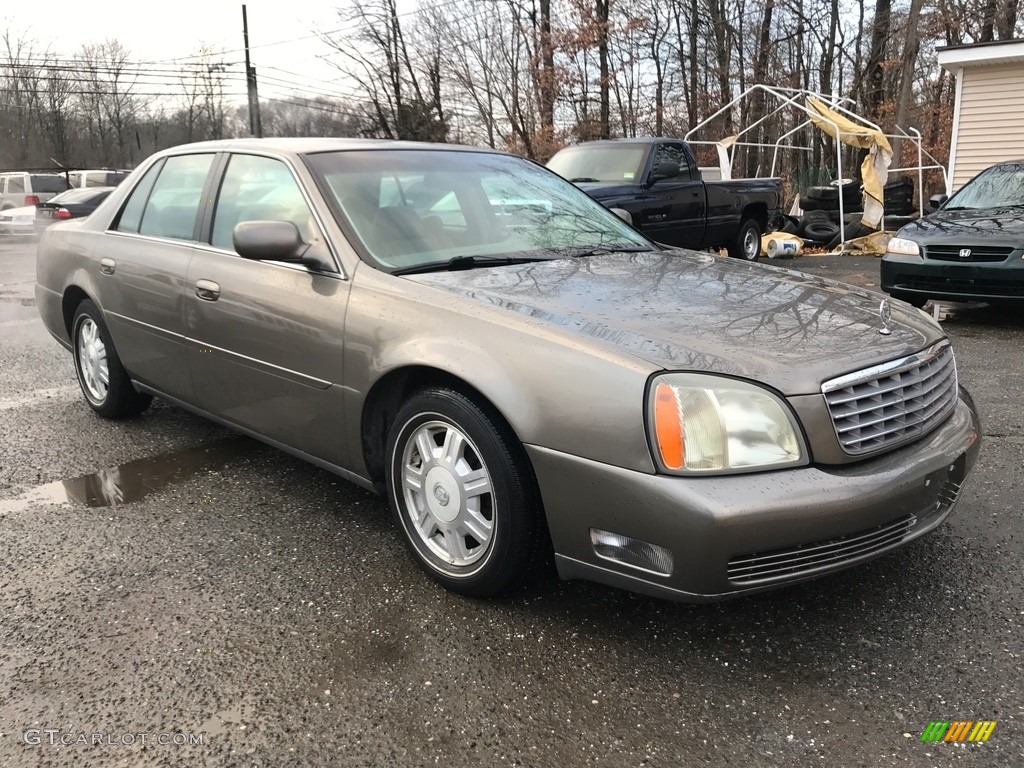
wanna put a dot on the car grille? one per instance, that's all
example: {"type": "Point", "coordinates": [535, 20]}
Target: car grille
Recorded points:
{"type": "Point", "coordinates": [892, 403]}
{"type": "Point", "coordinates": [806, 558]}
{"type": "Point", "coordinates": [977, 253]}
{"type": "Point", "coordinates": [968, 286]}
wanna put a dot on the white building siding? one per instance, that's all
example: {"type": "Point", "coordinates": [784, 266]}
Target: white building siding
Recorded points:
{"type": "Point", "coordinates": [990, 128]}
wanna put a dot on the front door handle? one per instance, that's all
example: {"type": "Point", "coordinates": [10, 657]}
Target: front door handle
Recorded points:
{"type": "Point", "coordinates": [207, 290]}
{"type": "Point", "coordinates": [107, 265]}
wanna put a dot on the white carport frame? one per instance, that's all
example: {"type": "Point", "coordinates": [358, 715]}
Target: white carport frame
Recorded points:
{"type": "Point", "coordinates": [796, 99]}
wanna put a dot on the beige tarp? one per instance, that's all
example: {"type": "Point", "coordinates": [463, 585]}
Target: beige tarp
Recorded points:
{"type": "Point", "coordinates": [875, 168]}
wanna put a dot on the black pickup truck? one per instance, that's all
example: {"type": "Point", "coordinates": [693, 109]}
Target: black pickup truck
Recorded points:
{"type": "Point", "coordinates": [658, 183]}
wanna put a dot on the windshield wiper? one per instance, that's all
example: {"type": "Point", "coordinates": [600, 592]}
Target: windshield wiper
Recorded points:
{"type": "Point", "coordinates": [579, 251]}
{"type": "Point", "coordinates": [465, 262]}
{"type": "Point", "coordinates": [583, 178]}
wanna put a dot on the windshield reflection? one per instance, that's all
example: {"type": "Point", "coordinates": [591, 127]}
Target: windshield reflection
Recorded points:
{"type": "Point", "coordinates": [415, 207]}
{"type": "Point", "coordinates": [996, 187]}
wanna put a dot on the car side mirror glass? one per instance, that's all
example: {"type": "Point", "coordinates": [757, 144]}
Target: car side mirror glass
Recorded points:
{"type": "Point", "coordinates": [937, 201]}
{"type": "Point", "coordinates": [664, 170]}
{"type": "Point", "coordinates": [269, 241]}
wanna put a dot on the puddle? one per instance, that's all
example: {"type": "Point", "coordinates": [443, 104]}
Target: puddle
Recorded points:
{"type": "Point", "coordinates": [133, 480]}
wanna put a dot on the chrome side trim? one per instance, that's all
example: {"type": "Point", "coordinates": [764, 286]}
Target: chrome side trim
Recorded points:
{"type": "Point", "coordinates": [155, 330]}
{"type": "Point", "coordinates": [261, 365]}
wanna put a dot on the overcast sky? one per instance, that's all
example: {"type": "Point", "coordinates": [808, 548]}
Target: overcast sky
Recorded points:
{"type": "Point", "coordinates": [281, 35]}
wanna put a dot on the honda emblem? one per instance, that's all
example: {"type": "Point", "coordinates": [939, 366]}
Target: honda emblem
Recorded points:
{"type": "Point", "coordinates": [965, 253]}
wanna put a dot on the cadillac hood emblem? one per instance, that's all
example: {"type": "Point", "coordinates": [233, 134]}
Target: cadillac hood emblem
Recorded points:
{"type": "Point", "coordinates": [885, 315]}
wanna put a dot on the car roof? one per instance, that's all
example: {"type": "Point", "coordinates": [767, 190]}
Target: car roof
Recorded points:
{"type": "Point", "coordinates": [310, 145]}
{"type": "Point", "coordinates": [624, 140]}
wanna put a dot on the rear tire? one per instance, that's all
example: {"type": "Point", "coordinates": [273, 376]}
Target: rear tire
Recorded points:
{"type": "Point", "coordinates": [747, 244]}
{"type": "Point", "coordinates": [103, 380]}
{"type": "Point", "coordinates": [463, 494]}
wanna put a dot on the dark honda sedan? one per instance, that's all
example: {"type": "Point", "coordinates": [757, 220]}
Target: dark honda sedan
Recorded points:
{"type": "Point", "coordinates": [513, 366]}
{"type": "Point", "coordinates": [971, 249]}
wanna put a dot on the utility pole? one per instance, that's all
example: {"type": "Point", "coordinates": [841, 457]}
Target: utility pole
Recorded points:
{"type": "Point", "coordinates": [255, 129]}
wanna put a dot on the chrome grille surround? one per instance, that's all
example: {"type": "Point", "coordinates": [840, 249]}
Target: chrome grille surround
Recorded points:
{"type": "Point", "coordinates": [893, 403]}
{"type": "Point", "coordinates": [975, 253]}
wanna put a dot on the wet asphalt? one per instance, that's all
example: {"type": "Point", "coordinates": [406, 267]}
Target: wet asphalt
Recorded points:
{"type": "Point", "coordinates": [164, 581]}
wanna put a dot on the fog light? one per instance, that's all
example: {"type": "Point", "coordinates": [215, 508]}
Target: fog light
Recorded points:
{"type": "Point", "coordinates": [631, 552]}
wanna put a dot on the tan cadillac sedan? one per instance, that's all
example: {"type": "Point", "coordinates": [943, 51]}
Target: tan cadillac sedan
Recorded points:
{"type": "Point", "coordinates": [514, 366]}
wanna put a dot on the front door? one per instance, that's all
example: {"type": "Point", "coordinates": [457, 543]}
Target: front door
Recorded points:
{"type": "Point", "coordinates": [265, 339]}
{"type": "Point", "coordinates": [674, 210]}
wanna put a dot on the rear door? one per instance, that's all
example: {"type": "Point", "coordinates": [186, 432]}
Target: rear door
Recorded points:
{"type": "Point", "coordinates": [143, 262]}
{"type": "Point", "coordinates": [675, 208]}
{"type": "Point", "coordinates": [265, 339]}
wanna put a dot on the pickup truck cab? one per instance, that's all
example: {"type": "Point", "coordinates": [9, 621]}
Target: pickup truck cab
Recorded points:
{"type": "Point", "coordinates": [657, 181]}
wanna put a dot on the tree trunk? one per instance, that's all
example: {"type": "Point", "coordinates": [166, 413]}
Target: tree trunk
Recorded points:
{"type": "Point", "coordinates": [911, 44]}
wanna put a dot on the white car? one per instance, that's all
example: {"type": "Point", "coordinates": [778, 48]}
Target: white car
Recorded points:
{"type": "Point", "coordinates": [18, 221]}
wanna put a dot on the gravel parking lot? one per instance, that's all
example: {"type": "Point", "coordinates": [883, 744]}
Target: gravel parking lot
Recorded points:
{"type": "Point", "coordinates": [230, 605]}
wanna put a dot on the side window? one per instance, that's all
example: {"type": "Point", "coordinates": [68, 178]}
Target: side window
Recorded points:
{"type": "Point", "coordinates": [15, 184]}
{"type": "Point", "coordinates": [673, 153]}
{"type": "Point", "coordinates": [174, 202]}
{"type": "Point", "coordinates": [260, 189]}
{"type": "Point", "coordinates": [131, 214]}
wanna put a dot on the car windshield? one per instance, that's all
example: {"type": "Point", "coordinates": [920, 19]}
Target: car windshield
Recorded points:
{"type": "Point", "coordinates": [611, 163]}
{"type": "Point", "coordinates": [1000, 186]}
{"type": "Point", "coordinates": [411, 208]}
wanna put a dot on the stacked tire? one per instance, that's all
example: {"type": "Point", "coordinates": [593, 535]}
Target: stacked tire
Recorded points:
{"type": "Point", "coordinates": [899, 197]}
{"type": "Point", "coordinates": [827, 198]}
{"type": "Point", "coordinates": [816, 226]}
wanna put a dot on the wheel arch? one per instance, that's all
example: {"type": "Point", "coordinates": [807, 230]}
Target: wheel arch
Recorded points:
{"type": "Point", "coordinates": [72, 297]}
{"type": "Point", "coordinates": [756, 211]}
{"type": "Point", "coordinates": [392, 389]}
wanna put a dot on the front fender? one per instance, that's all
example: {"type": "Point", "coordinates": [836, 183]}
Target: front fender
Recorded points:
{"type": "Point", "coordinates": [553, 389]}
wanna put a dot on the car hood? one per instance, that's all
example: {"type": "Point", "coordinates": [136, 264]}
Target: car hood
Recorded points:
{"type": "Point", "coordinates": [994, 226]}
{"type": "Point", "coordinates": [683, 310]}
{"type": "Point", "coordinates": [600, 190]}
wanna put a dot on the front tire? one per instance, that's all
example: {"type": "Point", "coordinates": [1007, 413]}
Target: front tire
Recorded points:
{"type": "Point", "coordinates": [103, 380]}
{"type": "Point", "coordinates": [463, 494]}
{"type": "Point", "coordinates": [747, 245]}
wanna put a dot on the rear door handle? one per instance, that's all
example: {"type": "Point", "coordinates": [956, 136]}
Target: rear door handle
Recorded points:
{"type": "Point", "coordinates": [207, 290]}
{"type": "Point", "coordinates": [107, 265]}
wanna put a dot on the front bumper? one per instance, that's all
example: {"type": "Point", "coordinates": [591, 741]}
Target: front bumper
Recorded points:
{"type": "Point", "coordinates": [812, 520]}
{"type": "Point", "coordinates": [969, 281]}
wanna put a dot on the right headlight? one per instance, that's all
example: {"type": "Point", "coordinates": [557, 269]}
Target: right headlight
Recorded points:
{"type": "Point", "coordinates": [702, 424]}
{"type": "Point", "coordinates": [903, 246]}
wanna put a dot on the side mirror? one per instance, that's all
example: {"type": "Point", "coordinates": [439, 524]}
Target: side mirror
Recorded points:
{"type": "Point", "coordinates": [623, 214]}
{"type": "Point", "coordinates": [269, 241]}
{"type": "Point", "coordinates": [937, 201]}
{"type": "Point", "coordinates": [664, 170]}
